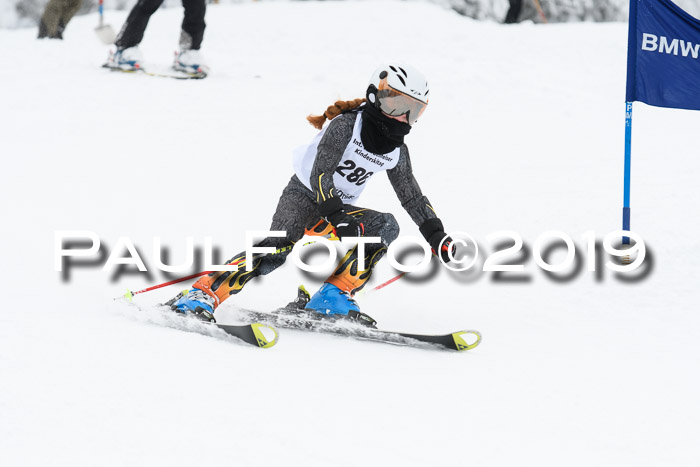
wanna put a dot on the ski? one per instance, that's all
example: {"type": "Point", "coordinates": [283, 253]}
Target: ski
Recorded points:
{"type": "Point", "coordinates": [258, 334]}
{"type": "Point", "coordinates": [174, 74]}
{"type": "Point", "coordinates": [253, 333]}
{"type": "Point", "coordinates": [458, 341]}
{"type": "Point", "coordinates": [250, 333]}
{"type": "Point", "coordinates": [292, 317]}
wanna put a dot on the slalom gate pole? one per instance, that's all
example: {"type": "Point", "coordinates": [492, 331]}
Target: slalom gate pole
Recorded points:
{"type": "Point", "coordinates": [626, 213]}
{"type": "Point", "coordinates": [101, 10]}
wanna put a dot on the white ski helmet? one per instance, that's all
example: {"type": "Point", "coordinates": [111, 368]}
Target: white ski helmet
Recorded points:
{"type": "Point", "coordinates": [397, 89]}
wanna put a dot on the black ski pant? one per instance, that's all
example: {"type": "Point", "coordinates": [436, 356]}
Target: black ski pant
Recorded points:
{"type": "Point", "coordinates": [296, 212]}
{"type": "Point", "coordinates": [192, 25]}
{"type": "Point", "coordinates": [514, 10]}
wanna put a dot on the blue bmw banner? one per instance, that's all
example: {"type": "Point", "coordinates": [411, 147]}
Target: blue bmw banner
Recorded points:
{"type": "Point", "coordinates": [663, 56]}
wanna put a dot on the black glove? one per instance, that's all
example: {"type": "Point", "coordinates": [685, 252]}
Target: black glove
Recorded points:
{"type": "Point", "coordinates": [345, 225]}
{"type": "Point", "coordinates": [434, 233]}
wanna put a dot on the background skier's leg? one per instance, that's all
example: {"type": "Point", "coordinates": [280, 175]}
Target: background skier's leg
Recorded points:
{"type": "Point", "coordinates": [513, 11]}
{"type": "Point", "coordinates": [70, 8]}
{"type": "Point", "coordinates": [48, 27]}
{"type": "Point", "coordinates": [193, 24]}
{"type": "Point", "coordinates": [135, 25]}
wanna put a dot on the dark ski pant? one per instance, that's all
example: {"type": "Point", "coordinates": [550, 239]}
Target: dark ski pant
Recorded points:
{"type": "Point", "coordinates": [514, 10]}
{"type": "Point", "coordinates": [193, 24]}
{"type": "Point", "coordinates": [56, 16]}
{"type": "Point", "coordinates": [297, 213]}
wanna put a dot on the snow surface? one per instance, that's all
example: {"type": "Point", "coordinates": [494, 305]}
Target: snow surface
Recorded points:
{"type": "Point", "coordinates": [524, 132]}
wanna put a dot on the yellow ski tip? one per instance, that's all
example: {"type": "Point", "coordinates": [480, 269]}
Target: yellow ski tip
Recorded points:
{"type": "Point", "coordinates": [265, 335]}
{"type": "Point", "coordinates": [466, 340]}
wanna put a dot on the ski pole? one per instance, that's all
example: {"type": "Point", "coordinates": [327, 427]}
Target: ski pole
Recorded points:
{"type": "Point", "coordinates": [538, 7]}
{"type": "Point", "coordinates": [390, 281]}
{"type": "Point", "coordinates": [129, 294]}
{"type": "Point", "coordinates": [381, 286]}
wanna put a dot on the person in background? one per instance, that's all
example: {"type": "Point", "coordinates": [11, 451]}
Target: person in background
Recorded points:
{"type": "Point", "coordinates": [514, 10]}
{"type": "Point", "coordinates": [56, 16]}
{"type": "Point", "coordinates": [189, 60]}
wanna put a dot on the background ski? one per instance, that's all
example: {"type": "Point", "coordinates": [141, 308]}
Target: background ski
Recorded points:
{"type": "Point", "coordinates": [459, 341]}
{"type": "Point", "coordinates": [165, 73]}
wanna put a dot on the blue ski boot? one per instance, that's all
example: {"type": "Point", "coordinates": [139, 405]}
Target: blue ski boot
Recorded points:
{"type": "Point", "coordinates": [332, 302]}
{"type": "Point", "coordinates": [194, 302]}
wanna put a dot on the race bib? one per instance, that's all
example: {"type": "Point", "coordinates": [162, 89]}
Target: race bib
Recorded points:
{"type": "Point", "coordinates": [356, 167]}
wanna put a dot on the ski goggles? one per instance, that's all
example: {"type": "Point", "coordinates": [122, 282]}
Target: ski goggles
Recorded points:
{"type": "Point", "coordinates": [396, 103]}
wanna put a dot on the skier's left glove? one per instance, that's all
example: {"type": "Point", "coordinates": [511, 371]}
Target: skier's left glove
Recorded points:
{"type": "Point", "coordinates": [344, 224]}
{"type": "Point", "coordinates": [434, 233]}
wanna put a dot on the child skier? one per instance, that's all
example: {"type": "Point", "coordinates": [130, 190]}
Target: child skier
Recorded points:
{"type": "Point", "coordinates": [364, 137]}
{"type": "Point", "coordinates": [189, 60]}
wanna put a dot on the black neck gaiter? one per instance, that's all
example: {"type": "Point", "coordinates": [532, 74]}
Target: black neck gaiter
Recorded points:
{"type": "Point", "coordinates": [381, 134]}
